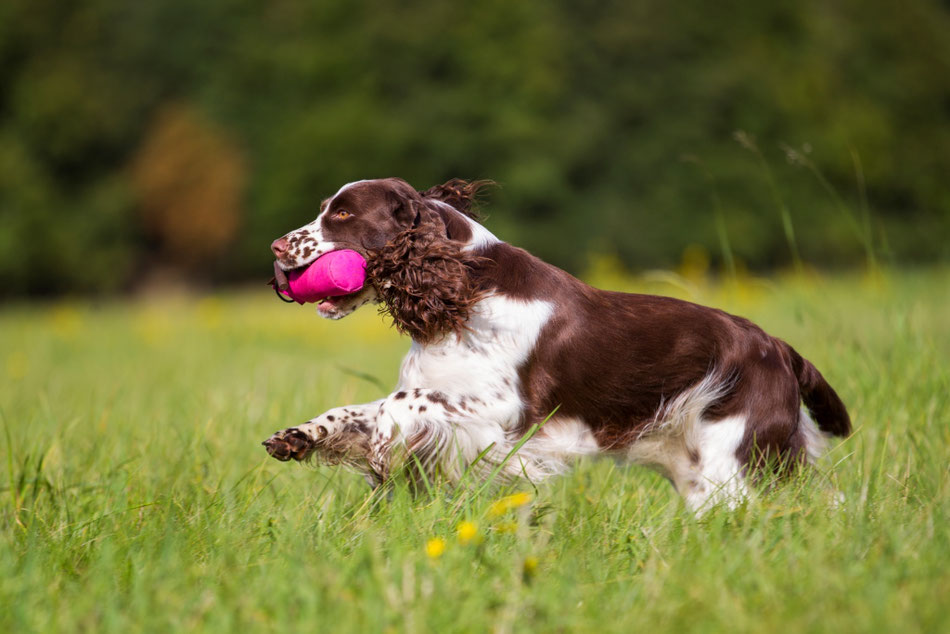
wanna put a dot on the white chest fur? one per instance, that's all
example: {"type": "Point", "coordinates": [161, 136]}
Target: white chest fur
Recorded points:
{"type": "Point", "coordinates": [482, 364]}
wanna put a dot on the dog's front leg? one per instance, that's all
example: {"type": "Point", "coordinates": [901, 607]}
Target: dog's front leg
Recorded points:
{"type": "Point", "coordinates": [439, 431]}
{"type": "Point", "coordinates": [343, 435]}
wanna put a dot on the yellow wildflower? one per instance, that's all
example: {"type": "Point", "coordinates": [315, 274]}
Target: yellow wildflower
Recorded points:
{"type": "Point", "coordinates": [503, 505]}
{"type": "Point", "coordinates": [529, 567]}
{"type": "Point", "coordinates": [435, 547]}
{"type": "Point", "coordinates": [468, 533]}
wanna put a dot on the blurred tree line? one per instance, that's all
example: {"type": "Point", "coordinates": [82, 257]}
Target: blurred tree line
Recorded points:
{"type": "Point", "coordinates": [184, 136]}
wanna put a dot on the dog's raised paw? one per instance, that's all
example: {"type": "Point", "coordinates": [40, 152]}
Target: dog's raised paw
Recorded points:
{"type": "Point", "coordinates": [289, 444]}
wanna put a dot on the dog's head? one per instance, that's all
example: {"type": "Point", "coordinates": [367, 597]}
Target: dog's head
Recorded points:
{"type": "Point", "coordinates": [416, 245]}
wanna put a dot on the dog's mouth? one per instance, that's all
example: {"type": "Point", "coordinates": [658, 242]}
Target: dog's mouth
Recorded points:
{"type": "Point", "coordinates": [280, 283]}
{"type": "Point", "coordinates": [332, 307]}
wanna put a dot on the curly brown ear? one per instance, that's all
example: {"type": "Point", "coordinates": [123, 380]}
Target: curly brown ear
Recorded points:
{"type": "Point", "coordinates": [424, 281]}
{"type": "Point", "coordinates": [459, 193]}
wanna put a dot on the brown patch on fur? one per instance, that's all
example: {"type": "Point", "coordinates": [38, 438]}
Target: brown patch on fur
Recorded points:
{"type": "Point", "coordinates": [613, 359]}
{"type": "Point", "coordinates": [439, 399]}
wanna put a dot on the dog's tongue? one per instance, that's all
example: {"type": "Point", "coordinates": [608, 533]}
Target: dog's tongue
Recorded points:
{"type": "Point", "coordinates": [331, 275]}
{"type": "Point", "coordinates": [327, 305]}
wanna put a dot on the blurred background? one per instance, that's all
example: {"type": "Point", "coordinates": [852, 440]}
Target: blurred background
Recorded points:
{"type": "Point", "coordinates": [143, 143]}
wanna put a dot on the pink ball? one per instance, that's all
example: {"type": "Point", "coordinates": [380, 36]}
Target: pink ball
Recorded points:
{"type": "Point", "coordinates": [332, 274]}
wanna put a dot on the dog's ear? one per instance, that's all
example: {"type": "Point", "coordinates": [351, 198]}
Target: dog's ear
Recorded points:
{"type": "Point", "coordinates": [405, 204]}
{"type": "Point", "coordinates": [425, 282]}
{"type": "Point", "coordinates": [461, 194]}
{"type": "Point", "coordinates": [423, 278]}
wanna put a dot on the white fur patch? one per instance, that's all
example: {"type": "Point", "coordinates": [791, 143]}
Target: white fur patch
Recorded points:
{"type": "Point", "coordinates": [816, 441]}
{"type": "Point", "coordinates": [476, 375]}
{"type": "Point", "coordinates": [481, 236]}
{"type": "Point", "coordinates": [697, 455]}
{"type": "Point", "coordinates": [483, 361]}
{"type": "Point", "coordinates": [720, 478]}
{"type": "Point", "coordinates": [344, 188]}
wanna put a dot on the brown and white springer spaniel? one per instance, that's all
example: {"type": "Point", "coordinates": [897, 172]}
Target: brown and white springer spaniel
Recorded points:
{"type": "Point", "coordinates": [500, 340]}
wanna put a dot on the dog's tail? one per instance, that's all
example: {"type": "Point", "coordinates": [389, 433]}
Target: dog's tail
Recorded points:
{"type": "Point", "coordinates": [822, 401]}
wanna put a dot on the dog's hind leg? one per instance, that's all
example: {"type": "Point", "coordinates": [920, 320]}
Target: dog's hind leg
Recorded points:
{"type": "Point", "coordinates": [699, 459]}
{"type": "Point", "coordinates": [715, 475]}
{"type": "Point", "coordinates": [698, 451]}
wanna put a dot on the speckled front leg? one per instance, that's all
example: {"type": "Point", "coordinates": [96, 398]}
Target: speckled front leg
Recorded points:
{"type": "Point", "coordinates": [438, 431]}
{"type": "Point", "coordinates": [339, 436]}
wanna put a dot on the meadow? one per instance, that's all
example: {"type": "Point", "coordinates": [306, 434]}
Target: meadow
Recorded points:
{"type": "Point", "coordinates": [136, 497]}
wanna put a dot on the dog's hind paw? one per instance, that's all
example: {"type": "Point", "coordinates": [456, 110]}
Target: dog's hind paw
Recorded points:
{"type": "Point", "coordinates": [290, 444]}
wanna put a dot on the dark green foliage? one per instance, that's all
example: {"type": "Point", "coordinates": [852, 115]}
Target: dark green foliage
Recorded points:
{"type": "Point", "coordinates": [582, 111]}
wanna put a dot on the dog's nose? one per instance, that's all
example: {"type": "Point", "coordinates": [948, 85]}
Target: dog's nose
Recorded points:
{"type": "Point", "coordinates": [280, 246]}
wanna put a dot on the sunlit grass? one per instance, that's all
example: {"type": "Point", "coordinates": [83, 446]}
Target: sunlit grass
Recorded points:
{"type": "Point", "coordinates": [135, 494]}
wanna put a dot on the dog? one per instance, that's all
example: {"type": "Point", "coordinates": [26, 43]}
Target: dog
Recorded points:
{"type": "Point", "coordinates": [505, 345]}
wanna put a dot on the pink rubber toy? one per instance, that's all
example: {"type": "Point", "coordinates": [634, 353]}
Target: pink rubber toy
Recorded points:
{"type": "Point", "coordinates": [331, 275]}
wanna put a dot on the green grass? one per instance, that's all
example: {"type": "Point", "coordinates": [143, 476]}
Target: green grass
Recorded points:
{"type": "Point", "coordinates": [136, 495]}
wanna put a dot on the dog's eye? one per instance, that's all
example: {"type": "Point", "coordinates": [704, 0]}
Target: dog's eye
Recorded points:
{"type": "Point", "coordinates": [343, 214]}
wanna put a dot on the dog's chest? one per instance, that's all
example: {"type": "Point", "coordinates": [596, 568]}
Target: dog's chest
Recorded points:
{"type": "Point", "coordinates": [483, 363]}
